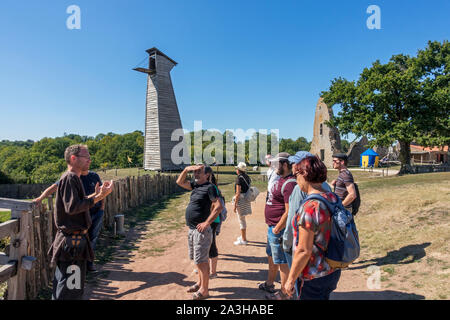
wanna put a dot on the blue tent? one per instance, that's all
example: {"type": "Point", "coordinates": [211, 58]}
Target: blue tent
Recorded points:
{"type": "Point", "coordinates": [369, 158]}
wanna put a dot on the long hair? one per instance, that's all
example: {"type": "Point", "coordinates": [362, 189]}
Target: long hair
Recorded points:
{"type": "Point", "coordinates": [212, 177]}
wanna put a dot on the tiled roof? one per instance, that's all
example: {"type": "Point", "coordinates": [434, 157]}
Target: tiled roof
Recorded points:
{"type": "Point", "coordinates": [428, 149]}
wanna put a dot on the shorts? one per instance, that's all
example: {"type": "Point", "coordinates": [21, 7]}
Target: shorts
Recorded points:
{"type": "Point", "coordinates": [242, 221]}
{"type": "Point", "coordinates": [274, 246]}
{"type": "Point", "coordinates": [199, 244]}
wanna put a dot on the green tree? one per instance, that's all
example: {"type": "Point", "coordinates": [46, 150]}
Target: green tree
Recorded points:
{"type": "Point", "coordinates": [4, 178]}
{"type": "Point", "coordinates": [48, 172]}
{"type": "Point", "coordinates": [345, 145]}
{"type": "Point", "coordinates": [404, 100]}
{"type": "Point", "coordinates": [292, 146]}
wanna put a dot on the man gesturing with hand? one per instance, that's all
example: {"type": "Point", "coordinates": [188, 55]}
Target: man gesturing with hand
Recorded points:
{"type": "Point", "coordinates": [71, 248]}
{"type": "Point", "coordinates": [203, 208]}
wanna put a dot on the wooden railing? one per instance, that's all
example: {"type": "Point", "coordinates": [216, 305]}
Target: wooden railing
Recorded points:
{"type": "Point", "coordinates": [26, 264]}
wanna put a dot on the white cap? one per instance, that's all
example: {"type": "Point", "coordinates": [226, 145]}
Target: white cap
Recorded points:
{"type": "Point", "coordinates": [241, 166]}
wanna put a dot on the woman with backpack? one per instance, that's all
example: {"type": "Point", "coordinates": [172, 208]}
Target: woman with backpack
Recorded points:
{"type": "Point", "coordinates": [312, 224]}
{"type": "Point", "coordinates": [241, 205]}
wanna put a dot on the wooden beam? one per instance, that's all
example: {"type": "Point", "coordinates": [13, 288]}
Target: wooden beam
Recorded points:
{"type": "Point", "coordinates": [8, 227]}
{"type": "Point", "coordinates": [144, 70]}
{"type": "Point", "coordinates": [8, 270]}
{"type": "Point", "coordinates": [4, 258]}
{"type": "Point", "coordinates": [14, 204]}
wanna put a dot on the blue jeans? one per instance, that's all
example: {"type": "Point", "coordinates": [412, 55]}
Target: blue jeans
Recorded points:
{"type": "Point", "coordinates": [94, 230]}
{"type": "Point", "coordinates": [289, 262]}
{"type": "Point", "coordinates": [274, 246]}
{"type": "Point", "coordinates": [319, 288]}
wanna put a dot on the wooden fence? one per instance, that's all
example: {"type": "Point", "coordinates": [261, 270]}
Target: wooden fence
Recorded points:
{"type": "Point", "coordinates": [22, 191]}
{"type": "Point", "coordinates": [26, 265]}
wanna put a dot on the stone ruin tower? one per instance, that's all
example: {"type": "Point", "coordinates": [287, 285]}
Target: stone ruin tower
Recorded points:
{"type": "Point", "coordinates": [161, 116]}
{"type": "Point", "coordinates": [326, 141]}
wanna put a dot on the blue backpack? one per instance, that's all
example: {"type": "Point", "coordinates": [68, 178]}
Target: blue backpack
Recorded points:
{"type": "Point", "coordinates": [343, 247]}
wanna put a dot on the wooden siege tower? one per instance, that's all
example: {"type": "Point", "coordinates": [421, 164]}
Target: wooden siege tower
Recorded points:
{"type": "Point", "coordinates": [161, 116]}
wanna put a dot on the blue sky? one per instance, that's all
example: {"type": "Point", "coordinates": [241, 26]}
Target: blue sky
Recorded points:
{"type": "Point", "coordinates": [242, 64]}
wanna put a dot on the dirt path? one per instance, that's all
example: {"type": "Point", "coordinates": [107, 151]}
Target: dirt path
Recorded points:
{"type": "Point", "coordinates": [240, 269]}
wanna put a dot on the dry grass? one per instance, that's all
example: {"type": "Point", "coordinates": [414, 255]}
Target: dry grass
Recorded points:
{"type": "Point", "coordinates": [404, 228]}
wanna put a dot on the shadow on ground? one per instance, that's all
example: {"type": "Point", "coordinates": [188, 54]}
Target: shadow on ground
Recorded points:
{"type": "Point", "coordinates": [117, 253]}
{"type": "Point", "coordinates": [257, 244]}
{"type": "Point", "coordinates": [149, 279]}
{"type": "Point", "coordinates": [404, 255]}
{"type": "Point", "coordinates": [375, 295]}
{"type": "Point", "coordinates": [245, 259]}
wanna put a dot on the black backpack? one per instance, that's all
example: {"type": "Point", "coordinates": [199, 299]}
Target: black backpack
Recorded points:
{"type": "Point", "coordinates": [357, 202]}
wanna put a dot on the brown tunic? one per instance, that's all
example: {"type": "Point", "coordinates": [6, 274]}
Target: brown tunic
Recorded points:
{"type": "Point", "coordinates": [71, 214]}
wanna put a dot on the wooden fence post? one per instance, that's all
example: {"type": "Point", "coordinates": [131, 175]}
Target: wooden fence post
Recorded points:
{"type": "Point", "coordinates": [18, 249]}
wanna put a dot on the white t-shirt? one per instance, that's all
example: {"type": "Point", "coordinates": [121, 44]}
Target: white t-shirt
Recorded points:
{"type": "Point", "coordinates": [272, 177]}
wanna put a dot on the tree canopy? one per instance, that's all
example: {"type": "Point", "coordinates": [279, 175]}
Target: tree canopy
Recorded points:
{"type": "Point", "coordinates": [406, 99]}
{"type": "Point", "coordinates": [43, 161]}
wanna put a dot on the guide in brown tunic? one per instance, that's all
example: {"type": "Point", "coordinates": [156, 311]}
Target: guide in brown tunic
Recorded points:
{"type": "Point", "coordinates": [71, 248]}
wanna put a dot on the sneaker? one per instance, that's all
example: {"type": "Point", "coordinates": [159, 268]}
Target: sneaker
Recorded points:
{"type": "Point", "coordinates": [265, 287]}
{"type": "Point", "coordinates": [240, 242]}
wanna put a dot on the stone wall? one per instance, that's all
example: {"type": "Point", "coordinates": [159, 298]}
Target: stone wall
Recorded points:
{"type": "Point", "coordinates": [326, 141]}
{"type": "Point", "coordinates": [355, 150]}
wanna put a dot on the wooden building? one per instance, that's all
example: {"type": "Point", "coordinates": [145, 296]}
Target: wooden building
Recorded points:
{"type": "Point", "coordinates": [427, 155]}
{"type": "Point", "coordinates": [162, 116]}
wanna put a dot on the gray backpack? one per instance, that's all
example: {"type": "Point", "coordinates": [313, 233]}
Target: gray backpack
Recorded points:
{"type": "Point", "coordinates": [252, 192]}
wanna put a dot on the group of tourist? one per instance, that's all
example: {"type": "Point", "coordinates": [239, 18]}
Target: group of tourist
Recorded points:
{"type": "Point", "coordinates": [298, 231]}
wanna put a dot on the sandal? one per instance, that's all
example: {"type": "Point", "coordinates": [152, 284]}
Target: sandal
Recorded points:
{"type": "Point", "coordinates": [213, 275]}
{"type": "Point", "coordinates": [199, 296]}
{"type": "Point", "coordinates": [265, 287]}
{"type": "Point", "coordinates": [279, 295]}
{"type": "Point", "coordinates": [193, 288]}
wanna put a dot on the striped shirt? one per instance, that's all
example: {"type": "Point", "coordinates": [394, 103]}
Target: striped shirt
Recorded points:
{"type": "Point", "coordinates": [344, 179]}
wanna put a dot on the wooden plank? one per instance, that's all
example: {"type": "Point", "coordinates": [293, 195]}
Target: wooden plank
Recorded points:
{"type": "Point", "coordinates": [18, 249]}
{"type": "Point", "coordinates": [7, 271]}
{"type": "Point", "coordinates": [14, 204]}
{"type": "Point", "coordinates": [4, 258]}
{"type": "Point", "coordinates": [8, 227]}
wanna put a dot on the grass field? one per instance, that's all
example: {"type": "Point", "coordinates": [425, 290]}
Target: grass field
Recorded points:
{"type": "Point", "coordinates": [404, 229]}
{"type": "Point", "coordinates": [5, 215]}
